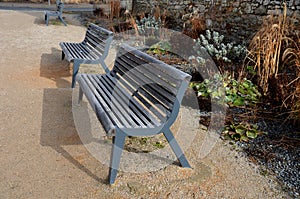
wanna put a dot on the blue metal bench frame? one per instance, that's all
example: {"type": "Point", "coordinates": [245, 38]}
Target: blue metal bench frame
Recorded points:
{"type": "Point", "coordinates": [57, 13]}
{"type": "Point", "coordinates": [140, 96]}
{"type": "Point", "coordinates": [92, 50]}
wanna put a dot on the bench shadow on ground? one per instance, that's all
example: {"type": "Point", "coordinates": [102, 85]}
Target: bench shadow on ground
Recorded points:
{"type": "Point", "coordinates": [58, 129]}
{"type": "Point", "coordinates": [40, 19]}
{"type": "Point", "coordinates": [55, 69]}
{"type": "Point", "coordinates": [53, 21]}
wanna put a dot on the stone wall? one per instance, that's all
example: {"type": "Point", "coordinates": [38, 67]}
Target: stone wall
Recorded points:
{"type": "Point", "coordinates": [234, 18]}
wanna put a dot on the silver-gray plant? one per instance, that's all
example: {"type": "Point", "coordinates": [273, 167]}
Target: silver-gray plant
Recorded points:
{"type": "Point", "coordinates": [149, 26]}
{"type": "Point", "coordinates": [213, 44]}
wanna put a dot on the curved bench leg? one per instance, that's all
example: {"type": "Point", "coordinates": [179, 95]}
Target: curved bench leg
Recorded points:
{"type": "Point", "coordinates": [118, 145]}
{"type": "Point", "coordinates": [61, 19]}
{"type": "Point", "coordinates": [76, 65]}
{"type": "Point", "coordinates": [176, 148]}
{"type": "Point", "coordinates": [62, 55]}
{"type": "Point", "coordinates": [46, 18]}
{"type": "Point", "coordinates": [104, 66]}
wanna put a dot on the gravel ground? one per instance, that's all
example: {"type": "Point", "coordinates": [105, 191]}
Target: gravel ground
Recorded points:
{"type": "Point", "coordinates": [278, 153]}
{"type": "Point", "coordinates": [43, 155]}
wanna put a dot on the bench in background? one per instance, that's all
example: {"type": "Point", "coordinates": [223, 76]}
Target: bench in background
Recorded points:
{"type": "Point", "coordinates": [57, 13]}
{"type": "Point", "coordinates": [140, 96]}
{"type": "Point", "coordinates": [92, 50]}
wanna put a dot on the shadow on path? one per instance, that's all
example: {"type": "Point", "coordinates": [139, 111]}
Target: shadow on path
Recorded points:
{"type": "Point", "coordinates": [52, 67]}
{"type": "Point", "coordinates": [58, 128]}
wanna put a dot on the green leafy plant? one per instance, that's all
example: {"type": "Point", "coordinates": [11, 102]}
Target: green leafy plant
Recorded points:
{"type": "Point", "coordinates": [162, 47]}
{"type": "Point", "coordinates": [224, 89]}
{"type": "Point", "coordinates": [159, 145]}
{"type": "Point", "coordinates": [241, 132]}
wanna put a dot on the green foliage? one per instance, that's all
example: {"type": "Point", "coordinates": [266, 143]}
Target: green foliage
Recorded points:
{"type": "Point", "coordinates": [241, 132]}
{"type": "Point", "coordinates": [224, 89]}
{"type": "Point", "coordinates": [159, 145]}
{"type": "Point", "coordinates": [162, 47]}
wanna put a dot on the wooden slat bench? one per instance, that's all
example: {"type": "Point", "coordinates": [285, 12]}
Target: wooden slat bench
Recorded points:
{"type": "Point", "coordinates": [92, 50]}
{"type": "Point", "coordinates": [140, 96]}
{"type": "Point", "coordinates": [57, 13]}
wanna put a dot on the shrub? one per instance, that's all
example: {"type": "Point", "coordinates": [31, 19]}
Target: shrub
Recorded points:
{"type": "Point", "coordinates": [241, 132]}
{"type": "Point", "coordinates": [149, 26]}
{"type": "Point", "coordinates": [274, 54]}
{"type": "Point", "coordinates": [224, 89]}
{"type": "Point", "coordinates": [213, 44]}
{"type": "Point", "coordinates": [225, 55]}
{"type": "Point", "coordinates": [272, 51]}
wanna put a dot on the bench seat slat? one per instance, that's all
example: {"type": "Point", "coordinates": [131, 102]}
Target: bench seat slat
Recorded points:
{"type": "Point", "coordinates": [141, 97]}
{"type": "Point", "coordinates": [81, 51]}
{"type": "Point", "coordinates": [115, 104]}
{"type": "Point", "coordinates": [101, 100]}
{"type": "Point", "coordinates": [107, 101]}
{"type": "Point", "coordinates": [128, 118]}
{"type": "Point", "coordinates": [77, 51]}
{"type": "Point", "coordinates": [128, 103]}
{"type": "Point", "coordinates": [140, 115]}
{"type": "Point", "coordinates": [140, 111]}
{"type": "Point", "coordinates": [130, 92]}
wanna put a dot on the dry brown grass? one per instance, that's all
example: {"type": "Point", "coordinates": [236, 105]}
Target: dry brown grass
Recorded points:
{"type": "Point", "coordinates": [274, 52]}
{"type": "Point", "coordinates": [271, 50]}
{"type": "Point", "coordinates": [115, 8]}
{"type": "Point", "coordinates": [197, 26]}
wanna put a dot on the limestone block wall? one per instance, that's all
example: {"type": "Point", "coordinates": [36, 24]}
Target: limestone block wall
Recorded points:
{"type": "Point", "coordinates": [235, 18]}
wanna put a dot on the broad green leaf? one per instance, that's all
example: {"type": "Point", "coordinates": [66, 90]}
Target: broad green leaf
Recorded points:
{"type": "Point", "coordinates": [251, 134]}
{"type": "Point", "coordinates": [240, 129]}
{"type": "Point", "coordinates": [236, 136]}
{"type": "Point", "coordinates": [244, 138]}
{"type": "Point", "coordinates": [239, 102]}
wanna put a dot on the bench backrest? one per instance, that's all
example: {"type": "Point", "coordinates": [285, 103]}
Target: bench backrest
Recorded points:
{"type": "Point", "coordinates": [157, 86]}
{"type": "Point", "coordinates": [59, 6]}
{"type": "Point", "coordinates": [98, 40]}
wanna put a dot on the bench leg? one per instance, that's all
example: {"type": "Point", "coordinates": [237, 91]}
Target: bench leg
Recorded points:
{"type": "Point", "coordinates": [62, 55]}
{"type": "Point", "coordinates": [176, 148]}
{"type": "Point", "coordinates": [104, 66]}
{"type": "Point", "coordinates": [46, 19]}
{"type": "Point", "coordinates": [80, 95]}
{"type": "Point", "coordinates": [61, 19]}
{"type": "Point", "coordinates": [118, 145]}
{"type": "Point", "coordinates": [76, 65]}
